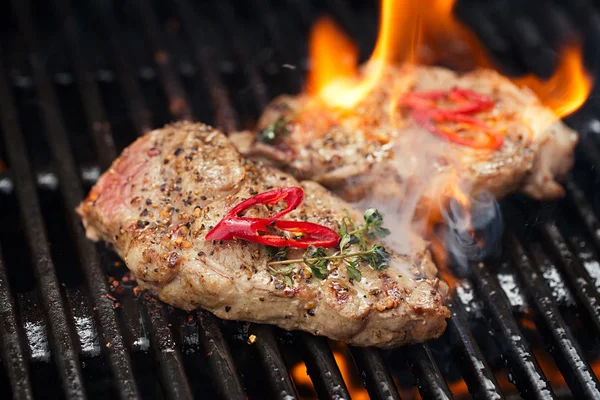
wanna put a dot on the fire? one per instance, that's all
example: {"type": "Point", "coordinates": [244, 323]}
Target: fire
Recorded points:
{"type": "Point", "coordinates": [335, 74]}
{"type": "Point", "coordinates": [568, 88]}
{"type": "Point", "coordinates": [355, 387]}
{"type": "Point", "coordinates": [459, 388]}
{"type": "Point", "coordinates": [349, 374]}
{"type": "Point", "coordinates": [424, 32]}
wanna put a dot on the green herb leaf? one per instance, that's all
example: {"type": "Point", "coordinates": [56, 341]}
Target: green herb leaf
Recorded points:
{"type": "Point", "coordinates": [318, 267]}
{"type": "Point", "coordinates": [288, 281]}
{"type": "Point", "coordinates": [277, 253]}
{"type": "Point", "coordinates": [373, 217]}
{"type": "Point", "coordinates": [378, 257]}
{"type": "Point", "coordinates": [346, 239]}
{"type": "Point", "coordinates": [274, 132]}
{"type": "Point", "coordinates": [362, 241]}
{"type": "Point", "coordinates": [343, 229]}
{"type": "Point", "coordinates": [285, 270]}
{"type": "Point", "coordinates": [318, 261]}
{"type": "Point", "coordinates": [352, 271]}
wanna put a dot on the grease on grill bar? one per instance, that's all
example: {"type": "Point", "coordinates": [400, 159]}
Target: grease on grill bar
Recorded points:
{"type": "Point", "coordinates": [95, 338]}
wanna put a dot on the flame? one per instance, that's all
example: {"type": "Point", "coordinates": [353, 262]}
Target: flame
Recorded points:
{"type": "Point", "coordinates": [459, 388]}
{"type": "Point", "coordinates": [569, 86]}
{"type": "Point", "coordinates": [425, 32]}
{"type": "Point", "coordinates": [405, 26]}
{"type": "Point", "coordinates": [355, 387]}
{"type": "Point", "coordinates": [302, 381]}
{"type": "Point", "coordinates": [349, 374]}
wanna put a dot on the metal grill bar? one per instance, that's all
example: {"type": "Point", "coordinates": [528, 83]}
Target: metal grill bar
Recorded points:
{"type": "Point", "coordinates": [226, 15]}
{"type": "Point", "coordinates": [304, 11]}
{"type": "Point", "coordinates": [225, 115]}
{"type": "Point", "coordinates": [584, 210]}
{"type": "Point", "coordinates": [178, 105]}
{"type": "Point", "coordinates": [12, 348]}
{"type": "Point", "coordinates": [377, 378]}
{"type": "Point", "coordinates": [589, 150]}
{"type": "Point", "coordinates": [263, 12]}
{"type": "Point", "coordinates": [573, 270]}
{"type": "Point", "coordinates": [528, 376]}
{"type": "Point", "coordinates": [72, 192]}
{"type": "Point", "coordinates": [430, 381]}
{"type": "Point", "coordinates": [229, 384]}
{"type": "Point", "coordinates": [322, 368]}
{"type": "Point", "coordinates": [560, 342]}
{"type": "Point", "coordinates": [96, 117]}
{"type": "Point", "coordinates": [140, 115]}
{"type": "Point", "coordinates": [479, 19]}
{"type": "Point", "coordinates": [61, 341]}
{"type": "Point", "coordinates": [475, 369]}
{"type": "Point", "coordinates": [46, 179]}
{"type": "Point", "coordinates": [174, 379]}
{"type": "Point", "coordinates": [272, 362]}
{"type": "Point", "coordinates": [100, 128]}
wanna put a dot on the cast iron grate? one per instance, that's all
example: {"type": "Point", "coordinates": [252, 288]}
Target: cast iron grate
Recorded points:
{"type": "Point", "coordinates": [79, 82]}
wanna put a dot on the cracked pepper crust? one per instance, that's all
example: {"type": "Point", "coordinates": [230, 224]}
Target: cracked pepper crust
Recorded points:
{"type": "Point", "coordinates": [164, 193]}
{"type": "Point", "coordinates": [372, 144]}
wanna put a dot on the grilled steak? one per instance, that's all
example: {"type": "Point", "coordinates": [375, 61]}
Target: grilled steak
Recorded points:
{"type": "Point", "coordinates": [169, 188]}
{"type": "Point", "coordinates": [378, 149]}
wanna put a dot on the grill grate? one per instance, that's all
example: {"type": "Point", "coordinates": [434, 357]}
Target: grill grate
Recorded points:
{"type": "Point", "coordinates": [170, 57]}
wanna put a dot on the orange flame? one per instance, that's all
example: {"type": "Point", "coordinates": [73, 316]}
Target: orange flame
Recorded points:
{"type": "Point", "coordinates": [424, 32]}
{"type": "Point", "coordinates": [349, 373]}
{"type": "Point", "coordinates": [459, 388]}
{"type": "Point", "coordinates": [568, 88]}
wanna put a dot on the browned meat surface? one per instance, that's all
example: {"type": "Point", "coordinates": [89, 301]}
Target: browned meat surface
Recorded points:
{"type": "Point", "coordinates": [168, 189]}
{"type": "Point", "coordinates": [377, 149]}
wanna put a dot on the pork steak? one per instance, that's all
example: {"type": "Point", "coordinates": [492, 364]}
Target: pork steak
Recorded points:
{"type": "Point", "coordinates": [377, 149]}
{"type": "Point", "coordinates": [170, 187]}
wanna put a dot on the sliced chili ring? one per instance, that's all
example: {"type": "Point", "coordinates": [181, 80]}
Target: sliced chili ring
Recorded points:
{"type": "Point", "coordinates": [432, 121]}
{"type": "Point", "coordinates": [425, 112]}
{"type": "Point", "coordinates": [475, 102]}
{"type": "Point", "coordinates": [262, 230]}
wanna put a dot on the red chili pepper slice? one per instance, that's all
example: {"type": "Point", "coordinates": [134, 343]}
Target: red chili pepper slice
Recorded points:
{"type": "Point", "coordinates": [264, 230]}
{"type": "Point", "coordinates": [292, 196]}
{"type": "Point", "coordinates": [485, 139]}
{"type": "Point", "coordinates": [471, 101]}
{"type": "Point", "coordinates": [426, 112]}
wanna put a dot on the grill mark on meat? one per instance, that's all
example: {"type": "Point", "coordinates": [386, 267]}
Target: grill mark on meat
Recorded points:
{"type": "Point", "coordinates": [160, 236]}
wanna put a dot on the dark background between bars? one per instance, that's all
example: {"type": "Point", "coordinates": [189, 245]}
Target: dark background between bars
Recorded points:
{"type": "Point", "coordinates": [80, 80]}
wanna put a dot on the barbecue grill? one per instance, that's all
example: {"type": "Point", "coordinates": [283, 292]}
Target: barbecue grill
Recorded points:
{"type": "Point", "coordinates": [80, 82]}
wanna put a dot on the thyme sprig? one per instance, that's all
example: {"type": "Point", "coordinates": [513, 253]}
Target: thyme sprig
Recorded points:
{"type": "Point", "coordinates": [279, 254]}
{"type": "Point", "coordinates": [318, 261]}
{"type": "Point", "coordinates": [351, 233]}
{"type": "Point", "coordinates": [336, 256]}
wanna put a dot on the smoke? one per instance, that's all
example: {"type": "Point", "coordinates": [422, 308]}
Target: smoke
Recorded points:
{"type": "Point", "coordinates": [412, 193]}
{"type": "Point", "coordinates": [473, 234]}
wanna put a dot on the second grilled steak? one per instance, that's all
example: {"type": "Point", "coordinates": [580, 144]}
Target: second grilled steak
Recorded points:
{"type": "Point", "coordinates": [377, 149]}
{"type": "Point", "coordinates": [168, 189]}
